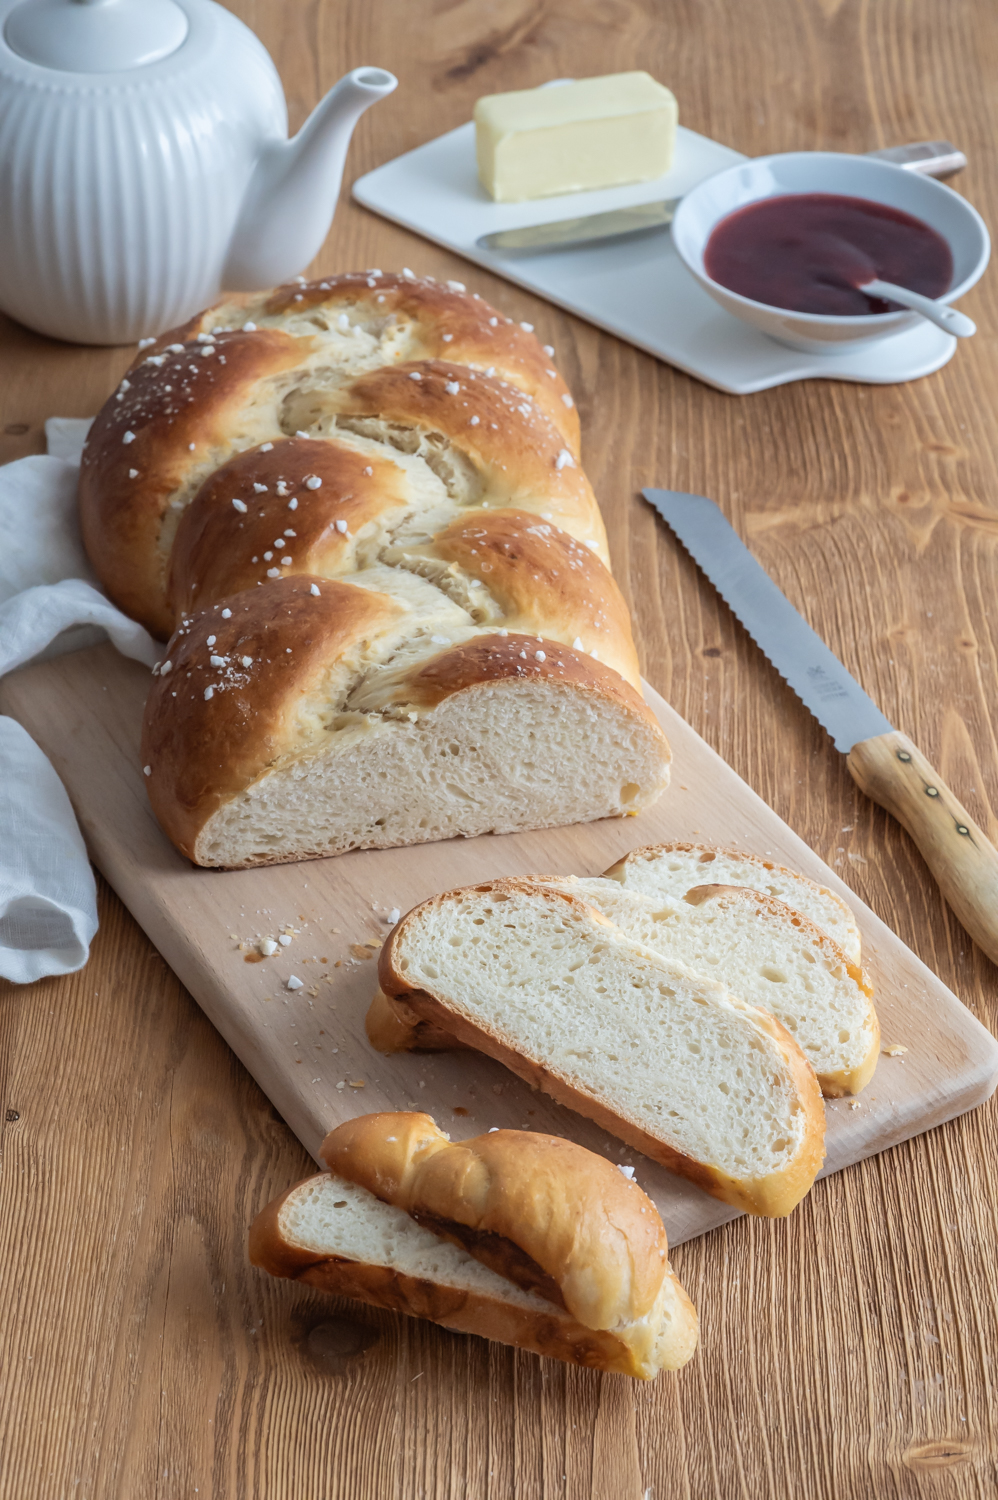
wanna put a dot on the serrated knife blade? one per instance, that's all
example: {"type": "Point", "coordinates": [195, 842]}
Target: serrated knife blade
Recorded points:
{"type": "Point", "coordinates": [883, 762]}
{"type": "Point", "coordinates": [800, 656]}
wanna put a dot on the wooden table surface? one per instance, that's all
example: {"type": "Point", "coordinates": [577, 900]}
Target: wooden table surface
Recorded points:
{"type": "Point", "coordinates": [847, 1352]}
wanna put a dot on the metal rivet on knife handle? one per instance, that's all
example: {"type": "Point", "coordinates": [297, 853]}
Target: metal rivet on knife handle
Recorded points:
{"type": "Point", "coordinates": [892, 771]}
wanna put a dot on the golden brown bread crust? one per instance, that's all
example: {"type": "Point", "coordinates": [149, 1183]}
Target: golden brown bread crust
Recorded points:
{"type": "Point", "coordinates": [517, 451]}
{"type": "Point", "coordinates": [206, 391]}
{"type": "Point", "coordinates": [203, 750]}
{"type": "Point", "coordinates": [774, 1196]}
{"type": "Point", "coordinates": [392, 1027]}
{"type": "Point", "coordinates": [220, 549]}
{"type": "Point", "coordinates": [183, 413]}
{"type": "Point", "coordinates": [557, 1336]}
{"type": "Point", "coordinates": [571, 1213]}
{"type": "Point", "coordinates": [514, 658]}
{"type": "Point", "coordinates": [435, 320]}
{"type": "Point", "coordinates": [547, 582]}
{"type": "Point", "coordinates": [445, 324]}
{"type": "Point", "coordinates": [241, 529]}
{"type": "Point", "coordinates": [833, 1085]}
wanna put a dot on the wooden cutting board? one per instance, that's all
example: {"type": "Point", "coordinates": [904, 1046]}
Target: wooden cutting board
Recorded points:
{"type": "Point", "coordinates": [307, 1048]}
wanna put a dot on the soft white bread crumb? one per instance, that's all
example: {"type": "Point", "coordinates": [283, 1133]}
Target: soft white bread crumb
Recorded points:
{"type": "Point", "coordinates": [492, 759]}
{"type": "Point", "coordinates": [769, 955]}
{"type": "Point", "coordinates": [331, 1216]}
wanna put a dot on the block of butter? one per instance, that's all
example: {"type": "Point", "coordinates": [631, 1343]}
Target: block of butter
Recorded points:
{"type": "Point", "coordinates": [593, 133]}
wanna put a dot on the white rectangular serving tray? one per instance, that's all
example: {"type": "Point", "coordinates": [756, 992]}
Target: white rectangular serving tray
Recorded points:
{"type": "Point", "coordinates": [636, 288]}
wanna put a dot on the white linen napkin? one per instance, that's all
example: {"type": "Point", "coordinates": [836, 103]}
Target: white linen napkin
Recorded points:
{"type": "Point", "coordinates": [48, 604]}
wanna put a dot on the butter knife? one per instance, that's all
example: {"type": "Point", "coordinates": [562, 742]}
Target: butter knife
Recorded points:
{"type": "Point", "coordinates": [929, 158]}
{"type": "Point", "coordinates": [882, 761]}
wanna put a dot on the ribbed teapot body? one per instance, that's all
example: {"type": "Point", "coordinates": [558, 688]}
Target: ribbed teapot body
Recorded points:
{"type": "Point", "coordinates": [119, 193]}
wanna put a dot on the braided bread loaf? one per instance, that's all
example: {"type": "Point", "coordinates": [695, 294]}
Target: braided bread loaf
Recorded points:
{"type": "Point", "coordinates": [358, 503]}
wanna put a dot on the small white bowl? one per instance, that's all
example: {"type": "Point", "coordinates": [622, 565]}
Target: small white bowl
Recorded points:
{"type": "Point", "coordinates": [828, 172]}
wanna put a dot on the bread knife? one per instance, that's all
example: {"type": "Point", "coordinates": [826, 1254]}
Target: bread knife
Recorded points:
{"type": "Point", "coordinates": [882, 761]}
{"type": "Point", "coordinates": [928, 158]}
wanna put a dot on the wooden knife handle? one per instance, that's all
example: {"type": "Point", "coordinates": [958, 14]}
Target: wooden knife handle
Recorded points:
{"type": "Point", "coordinates": [894, 773]}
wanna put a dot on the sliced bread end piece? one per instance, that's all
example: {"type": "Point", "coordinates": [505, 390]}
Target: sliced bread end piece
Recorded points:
{"type": "Point", "coordinates": [338, 1237]}
{"type": "Point", "coordinates": [539, 1210]}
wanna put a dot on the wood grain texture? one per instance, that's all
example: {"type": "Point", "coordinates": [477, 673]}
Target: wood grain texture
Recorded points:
{"type": "Point", "coordinates": [847, 1352]}
{"type": "Point", "coordinates": [964, 863]}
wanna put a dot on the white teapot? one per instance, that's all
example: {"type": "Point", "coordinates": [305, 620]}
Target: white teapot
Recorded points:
{"type": "Point", "coordinates": [145, 164]}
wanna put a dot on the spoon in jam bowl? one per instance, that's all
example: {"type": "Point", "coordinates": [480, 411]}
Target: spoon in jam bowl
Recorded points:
{"type": "Point", "coordinates": [946, 318]}
{"type": "Point", "coordinates": [858, 270]}
{"type": "Point", "coordinates": [784, 250]}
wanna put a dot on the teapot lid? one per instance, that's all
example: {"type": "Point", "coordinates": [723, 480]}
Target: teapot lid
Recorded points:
{"type": "Point", "coordinates": [95, 36]}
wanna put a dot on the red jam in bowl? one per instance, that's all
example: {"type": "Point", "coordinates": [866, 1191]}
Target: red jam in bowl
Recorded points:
{"type": "Point", "coordinates": [809, 252]}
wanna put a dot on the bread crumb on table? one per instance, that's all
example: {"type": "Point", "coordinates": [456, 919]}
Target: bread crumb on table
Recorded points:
{"type": "Point", "coordinates": [893, 1049]}
{"type": "Point", "coordinates": [364, 950]}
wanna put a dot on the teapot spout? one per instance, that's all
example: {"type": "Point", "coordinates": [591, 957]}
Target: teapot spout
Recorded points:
{"type": "Point", "coordinates": [291, 197]}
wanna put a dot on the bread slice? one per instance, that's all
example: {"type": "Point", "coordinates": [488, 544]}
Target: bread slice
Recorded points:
{"type": "Point", "coordinates": [670, 870]}
{"type": "Point", "coordinates": [769, 955]}
{"type": "Point", "coordinates": [667, 1060]}
{"type": "Point", "coordinates": [332, 1234]}
{"type": "Point", "coordinates": [340, 1238]}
